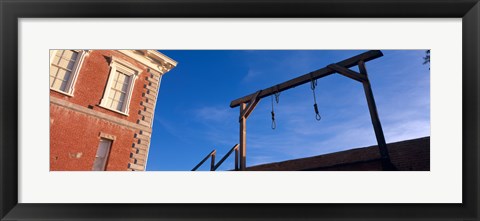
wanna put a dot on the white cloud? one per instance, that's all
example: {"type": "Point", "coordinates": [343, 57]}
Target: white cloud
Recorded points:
{"type": "Point", "coordinates": [214, 114]}
{"type": "Point", "coordinates": [251, 75]}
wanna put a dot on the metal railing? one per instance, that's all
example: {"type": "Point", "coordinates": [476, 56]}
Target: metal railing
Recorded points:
{"type": "Point", "coordinates": [212, 155]}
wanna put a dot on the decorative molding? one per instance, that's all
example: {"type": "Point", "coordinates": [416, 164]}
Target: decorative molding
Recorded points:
{"type": "Point", "coordinates": [100, 115]}
{"type": "Point", "coordinates": [107, 136]}
{"type": "Point", "coordinates": [152, 59]}
{"type": "Point", "coordinates": [120, 62]}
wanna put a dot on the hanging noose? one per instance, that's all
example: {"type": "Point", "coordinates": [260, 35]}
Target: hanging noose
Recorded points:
{"type": "Point", "coordinates": [313, 85]}
{"type": "Point", "coordinates": [277, 99]}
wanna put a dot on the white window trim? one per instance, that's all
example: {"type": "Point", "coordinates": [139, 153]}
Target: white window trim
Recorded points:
{"type": "Point", "coordinates": [76, 69]}
{"type": "Point", "coordinates": [114, 64]}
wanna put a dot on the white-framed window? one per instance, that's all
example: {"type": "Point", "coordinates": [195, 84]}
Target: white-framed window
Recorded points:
{"type": "Point", "coordinates": [119, 88]}
{"type": "Point", "coordinates": [64, 68]}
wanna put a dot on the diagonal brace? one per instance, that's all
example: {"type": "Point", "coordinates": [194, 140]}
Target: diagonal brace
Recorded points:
{"type": "Point", "coordinates": [251, 105]}
{"type": "Point", "coordinates": [348, 73]}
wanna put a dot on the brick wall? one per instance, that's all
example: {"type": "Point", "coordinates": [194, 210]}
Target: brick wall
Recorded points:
{"type": "Point", "coordinates": [406, 155]}
{"type": "Point", "coordinates": [73, 148]}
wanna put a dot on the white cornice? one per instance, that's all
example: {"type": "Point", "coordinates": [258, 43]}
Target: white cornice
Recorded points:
{"type": "Point", "coordinates": [152, 59]}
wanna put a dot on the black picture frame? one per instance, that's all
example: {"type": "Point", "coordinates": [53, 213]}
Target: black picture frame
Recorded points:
{"type": "Point", "coordinates": [12, 10]}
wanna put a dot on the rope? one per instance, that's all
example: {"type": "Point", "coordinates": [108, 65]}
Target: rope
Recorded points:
{"type": "Point", "coordinates": [313, 85]}
{"type": "Point", "coordinates": [277, 99]}
{"type": "Point", "coordinates": [277, 94]}
{"type": "Point", "coordinates": [274, 125]}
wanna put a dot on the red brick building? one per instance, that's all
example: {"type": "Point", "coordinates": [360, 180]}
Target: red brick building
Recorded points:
{"type": "Point", "coordinates": [102, 104]}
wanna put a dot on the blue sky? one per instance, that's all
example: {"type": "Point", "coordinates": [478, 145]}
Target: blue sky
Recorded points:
{"type": "Point", "coordinates": [193, 115]}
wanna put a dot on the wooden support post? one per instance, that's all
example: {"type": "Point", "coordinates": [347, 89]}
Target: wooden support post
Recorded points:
{"type": "Point", "coordinates": [236, 158]}
{"type": "Point", "coordinates": [212, 163]}
{"type": "Point", "coordinates": [243, 137]}
{"type": "Point", "coordinates": [377, 126]}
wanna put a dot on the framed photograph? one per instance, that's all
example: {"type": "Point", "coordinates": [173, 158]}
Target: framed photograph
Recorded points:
{"type": "Point", "coordinates": [176, 110]}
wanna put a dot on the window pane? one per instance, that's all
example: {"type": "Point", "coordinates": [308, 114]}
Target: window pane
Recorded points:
{"type": "Point", "coordinates": [119, 106]}
{"type": "Point", "coordinates": [121, 98]}
{"type": "Point", "coordinates": [102, 151]}
{"type": "Point", "coordinates": [66, 76]}
{"type": "Point", "coordinates": [61, 74]}
{"type": "Point", "coordinates": [118, 86]}
{"type": "Point", "coordinates": [121, 78]}
{"type": "Point", "coordinates": [60, 70]}
{"type": "Point", "coordinates": [70, 65]}
{"type": "Point", "coordinates": [55, 59]}
{"type": "Point", "coordinates": [57, 84]}
{"type": "Point", "coordinates": [102, 154]}
{"type": "Point", "coordinates": [117, 96]}
{"type": "Point", "coordinates": [116, 76]}
{"type": "Point", "coordinates": [63, 63]}
{"type": "Point", "coordinates": [124, 87]}
{"type": "Point", "coordinates": [67, 54]}
{"type": "Point", "coordinates": [53, 71]}
{"type": "Point", "coordinates": [111, 95]}
{"type": "Point", "coordinates": [74, 56]}
{"type": "Point", "coordinates": [115, 105]}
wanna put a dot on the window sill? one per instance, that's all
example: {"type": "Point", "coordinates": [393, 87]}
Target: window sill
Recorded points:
{"type": "Point", "coordinates": [110, 109]}
{"type": "Point", "coordinates": [61, 92]}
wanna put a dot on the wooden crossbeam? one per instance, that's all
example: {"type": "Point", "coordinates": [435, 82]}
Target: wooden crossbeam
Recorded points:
{"type": "Point", "coordinates": [347, 63]}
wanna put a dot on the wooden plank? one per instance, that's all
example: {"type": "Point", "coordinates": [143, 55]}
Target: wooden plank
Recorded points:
{"type": "Point", "coordinates": [323, 72]}
{"type": "Point", "coordinates": [348, 73]}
